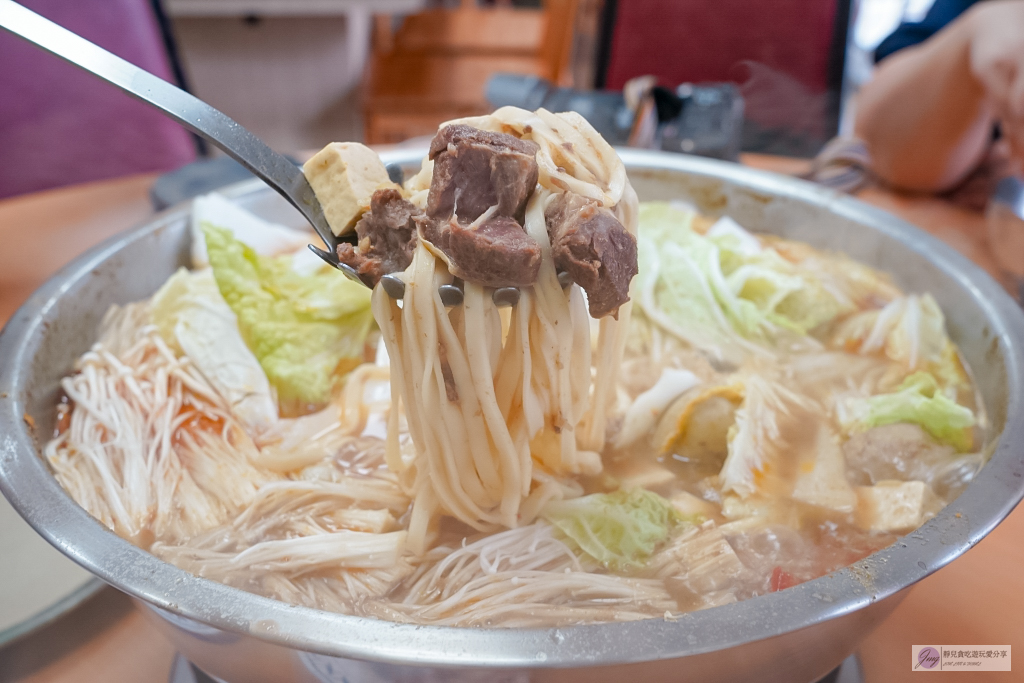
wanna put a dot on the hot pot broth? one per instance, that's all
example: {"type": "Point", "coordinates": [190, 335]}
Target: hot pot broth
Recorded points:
{"type": "Point", "coordinates": [758, 414]}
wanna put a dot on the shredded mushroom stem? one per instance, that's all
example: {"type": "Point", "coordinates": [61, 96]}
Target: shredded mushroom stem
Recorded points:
{"type": "Point", "coordinates": [128, 455]}
{"type": "Point", "coordinates": [293, 529]}
{"type": "Point", "coordinates": [521, 577]}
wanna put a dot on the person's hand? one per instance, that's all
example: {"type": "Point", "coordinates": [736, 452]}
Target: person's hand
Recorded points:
{"type": "Point", "coordinates": [997, 62]}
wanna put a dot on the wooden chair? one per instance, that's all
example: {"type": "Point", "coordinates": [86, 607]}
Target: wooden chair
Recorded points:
{"type": "Point", "coordinates": [436, 66]}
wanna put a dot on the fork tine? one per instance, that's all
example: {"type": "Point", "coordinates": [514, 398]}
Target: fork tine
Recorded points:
{"type": "Point", "coordinates": [505, 296]}
{"type": "Point", "coordinates": [332, 259]}
{"type": "Point", "coordinates": [451, 295]}
{"type": "Point", "coordinates": [394, 286]}
{"type": "Point", "coordinates": [395, 173]}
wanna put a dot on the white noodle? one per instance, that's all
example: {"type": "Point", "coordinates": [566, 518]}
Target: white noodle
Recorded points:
{"type": "Point", "coordinates": [497, 422]}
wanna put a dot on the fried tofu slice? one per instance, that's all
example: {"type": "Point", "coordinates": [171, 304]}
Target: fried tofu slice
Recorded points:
{"type": "Point", "coordinates": [700, 568]}
{"type": "Point", "coordinates": [895, 505]}
{"type": "Point", "coordinates": [344, 176]}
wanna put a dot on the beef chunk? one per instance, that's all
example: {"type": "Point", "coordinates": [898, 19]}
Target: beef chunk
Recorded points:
{"type": "Point", "coordinates": [476, 169]}
{"type": "Point", "coordinates": [435, 230]}
{"type": "Point", "coordinates": [387, 237]}
{"type": "Point", "coordinates": [497, 253]}
{"type": "Point", "coordinates": [590, 244]}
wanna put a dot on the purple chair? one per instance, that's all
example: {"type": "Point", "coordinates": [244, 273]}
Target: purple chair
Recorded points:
{"type": "Point", "coordinates": [60, 125]}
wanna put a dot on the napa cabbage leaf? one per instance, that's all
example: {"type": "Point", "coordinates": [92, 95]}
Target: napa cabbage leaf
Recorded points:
{"type": "Point", "coordinates": [919, 400]}
{"type": "Point", "coordinates": [786, 294]}
{"type": "Point", "coordinates": [682, 289]}
{"type": "Point", "coordinates": [724, 292]}
{"type": "Point", "coordinates": [194, 320]}
{"type": "Point", "coordinates": [755, 439]}
{"type": "Point", "coordinates": [910, 330]}
{"type": "Point", "coordinates": [307, 329]}
{"type": "Point", "coordinates": [265, 238]}
{"type": "Point", "coordinates": [620, 530]}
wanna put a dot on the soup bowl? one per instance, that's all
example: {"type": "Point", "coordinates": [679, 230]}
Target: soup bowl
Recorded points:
{"type": "Point", "coordinates": [791, 636]}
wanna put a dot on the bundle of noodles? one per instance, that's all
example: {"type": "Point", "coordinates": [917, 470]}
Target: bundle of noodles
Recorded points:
{"type": "Point", "coordinates": [150, 448]}
{"type": "Point", "coordinates": [501, 411]}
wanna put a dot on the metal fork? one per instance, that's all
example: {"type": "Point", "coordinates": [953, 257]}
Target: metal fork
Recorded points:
{"type": "Point", "coordinates": [237, 142]}
{"type": "Point", "coordinates": [200, 118]}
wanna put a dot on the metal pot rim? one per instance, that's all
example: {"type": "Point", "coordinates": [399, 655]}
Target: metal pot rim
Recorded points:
{"type": "Point", "coordinates": [28, 484]}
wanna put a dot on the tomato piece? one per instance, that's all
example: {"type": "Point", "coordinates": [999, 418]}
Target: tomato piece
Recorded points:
{"type": "Point", "coordinates": [781, 580]}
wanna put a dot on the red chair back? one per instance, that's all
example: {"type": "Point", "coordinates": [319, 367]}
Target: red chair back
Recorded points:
{"type": "Point", "coordinates": [694, 41]}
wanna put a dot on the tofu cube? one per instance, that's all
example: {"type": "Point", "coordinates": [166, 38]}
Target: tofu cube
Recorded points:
{"type": "Point", "coordinates": [895, 505]}
{"type": "Point", "coordinates": [344, 175]}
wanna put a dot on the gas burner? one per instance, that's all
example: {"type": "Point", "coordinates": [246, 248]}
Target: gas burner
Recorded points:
{"type": "Point", "coordinates": [182, 671]}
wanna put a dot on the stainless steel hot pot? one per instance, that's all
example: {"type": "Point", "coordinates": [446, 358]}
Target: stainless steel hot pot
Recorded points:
{"type": "Point", "coordinates": [792, 636]}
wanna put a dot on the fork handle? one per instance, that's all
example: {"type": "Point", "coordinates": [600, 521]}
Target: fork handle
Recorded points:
{"type": "Point", "coordinates": [191, 112]}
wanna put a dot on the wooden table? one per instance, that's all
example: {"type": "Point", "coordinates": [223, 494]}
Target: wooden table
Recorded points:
{"type": "Point", "coordinates": [978, 600]}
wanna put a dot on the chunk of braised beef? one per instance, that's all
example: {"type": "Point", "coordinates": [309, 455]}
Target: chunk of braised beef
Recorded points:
{"type": "Point", "coordinates": [387, 237]}
{"type": "Point", "coordinates": [496, 253]}
{"type": "Point", "coordinates": [477, 169]}
{"type": "Point", "coordinates": [434, 230]}
{"type": "Point", "coordinates": [589, 243]}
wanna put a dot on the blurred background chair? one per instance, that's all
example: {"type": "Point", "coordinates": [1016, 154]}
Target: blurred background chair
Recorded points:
{"type": "Point", "coordinates": [435, 66]}
{"type": "Point", "coordinates": [693, 41]}
{"type": "Point", "coordinates": [787, 56]}
{"type": "Point", "coordinates": [301, 73]}
{"type": "Point", "coordinates": [59, 125]}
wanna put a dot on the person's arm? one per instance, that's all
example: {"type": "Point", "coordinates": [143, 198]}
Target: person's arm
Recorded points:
{"type": "Point", "coordinates": [927, 115]}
